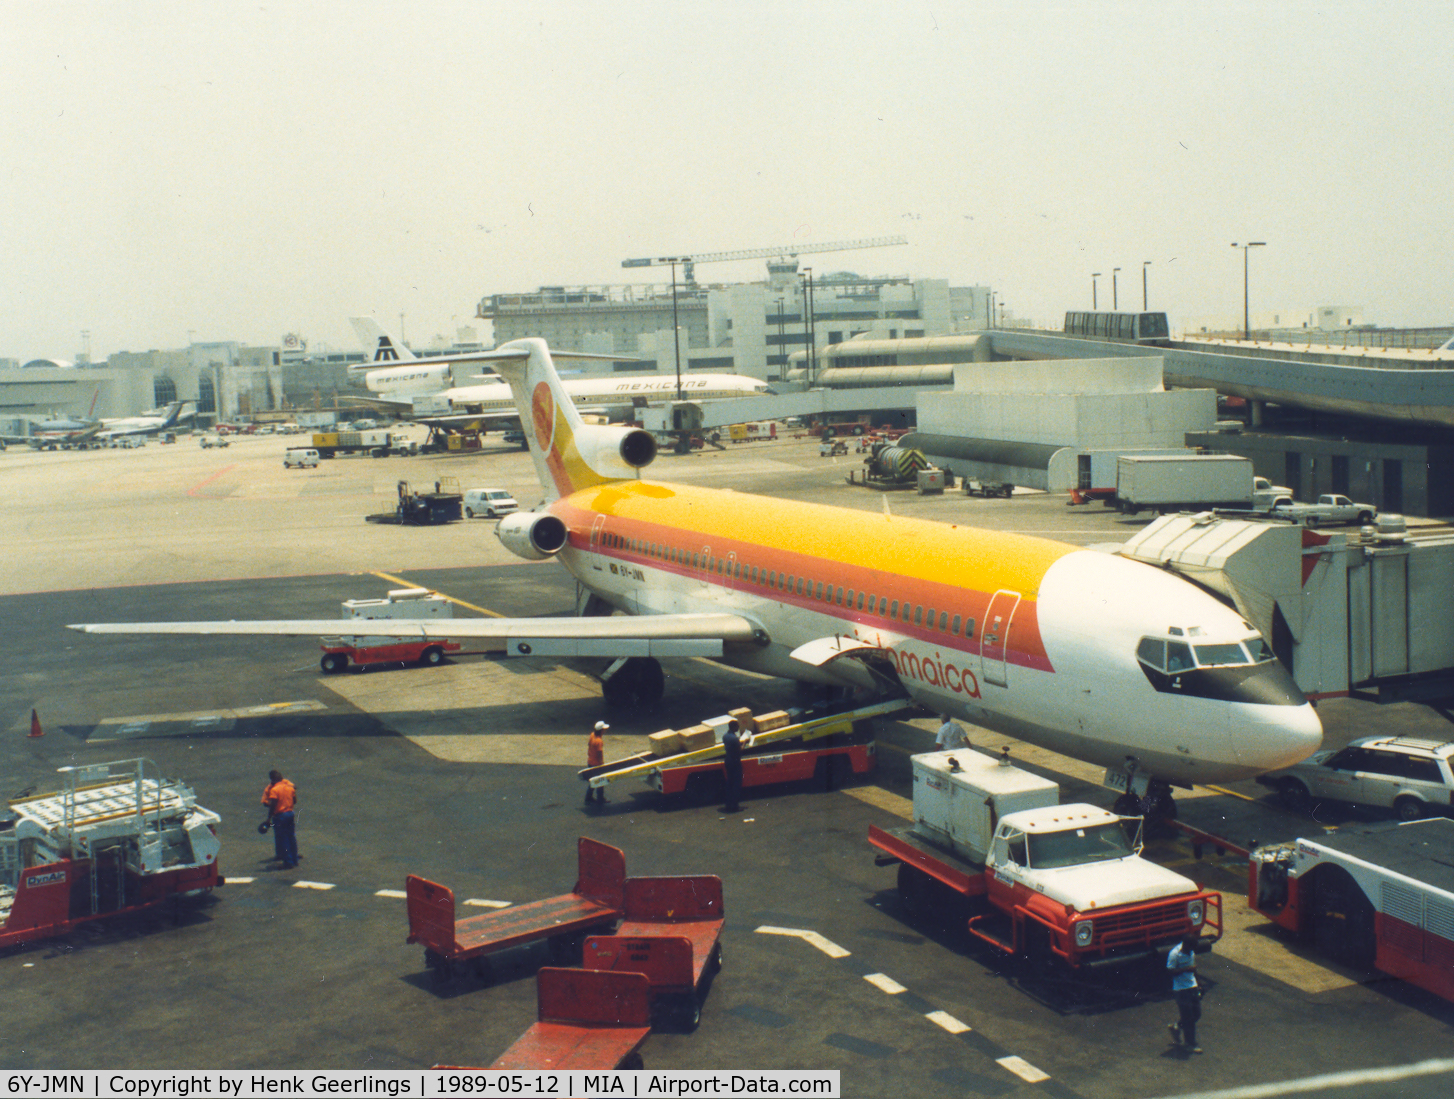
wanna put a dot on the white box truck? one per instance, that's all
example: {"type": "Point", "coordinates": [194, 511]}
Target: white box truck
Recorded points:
{"type": "Point", "coordinates": [1192, 482]}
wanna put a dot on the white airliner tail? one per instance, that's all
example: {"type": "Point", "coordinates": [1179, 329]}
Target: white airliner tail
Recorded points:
{"type": "Point", "coordinates": [380, 346]}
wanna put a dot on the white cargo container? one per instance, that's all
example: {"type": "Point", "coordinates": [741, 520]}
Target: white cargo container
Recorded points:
{"type": "Point", "coordinates": [959, 796]}
{"type": "Point", "coordinates": [1192, 482]}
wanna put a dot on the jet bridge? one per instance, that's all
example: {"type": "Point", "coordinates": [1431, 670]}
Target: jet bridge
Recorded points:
{"type": "Point", "coordinates": [1368, 610]}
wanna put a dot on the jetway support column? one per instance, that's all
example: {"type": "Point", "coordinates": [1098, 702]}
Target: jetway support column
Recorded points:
{"type": "Point", "coordinates": [1257, 411]}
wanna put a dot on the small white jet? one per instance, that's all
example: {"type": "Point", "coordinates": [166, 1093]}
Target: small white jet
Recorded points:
{"type": "Point", "coordinates": [1086, 653]}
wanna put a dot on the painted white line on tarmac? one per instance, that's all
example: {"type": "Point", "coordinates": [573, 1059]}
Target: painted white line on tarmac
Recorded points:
{"type": "Point", "coordinates": [239, 881]}
{"type": "Point", "coordinates": [323, 885]}
{"type": "Point", "coordinates": [1023, 1069]}
{"type": "Point", "coordinates": [1351, 1079]}
{"type": "Point", "coordinates": [391, 893]}
{"type": "Point", "coordinates": [947, 1021]}
{"type": "Point", "coordinates": [832, 949]}
{"type": "Point", "coordinates": [479, 903]}
{"type": "Point", "coordinates": [885, 984]}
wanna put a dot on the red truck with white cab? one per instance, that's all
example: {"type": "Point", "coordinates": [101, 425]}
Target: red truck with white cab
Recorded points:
{"type": "Point", "coordinates": [1039, 879]}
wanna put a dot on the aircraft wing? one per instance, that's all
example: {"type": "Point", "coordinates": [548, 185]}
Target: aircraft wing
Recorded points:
{"type": "Point", "coordinates": [615, 636]}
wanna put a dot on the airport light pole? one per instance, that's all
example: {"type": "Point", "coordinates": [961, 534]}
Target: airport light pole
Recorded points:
{"type": "Point", "coordinates": [1115, 293]}
{"type": "Point", "coordinates": [1144, 264]}
{"type": "Point", "coordinates": [675, 326]}
{"type": "Point", "coordinates": [809, 328]}
{"type": "Point", "coordinates": [1095, 301]}
{"type": "Point", "coordinates": [1246, 313]}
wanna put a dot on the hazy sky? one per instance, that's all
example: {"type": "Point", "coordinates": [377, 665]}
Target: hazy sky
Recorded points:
{"type": "Point", "coordinates": [237, 171]}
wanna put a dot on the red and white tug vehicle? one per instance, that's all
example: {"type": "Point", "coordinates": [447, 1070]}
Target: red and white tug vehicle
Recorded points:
{"type": "Point", "coordinates": [1036, 878]}
{"type": "Point", "coordinates": [1376, 898]}
{"type": "Point", "coordinates": [116, 837]}
{"type": "Point", "coordinates": [401, 603]}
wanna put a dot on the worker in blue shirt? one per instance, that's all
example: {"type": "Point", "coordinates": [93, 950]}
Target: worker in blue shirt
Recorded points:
{"type": "Point", "coordinates": [1182, 961]}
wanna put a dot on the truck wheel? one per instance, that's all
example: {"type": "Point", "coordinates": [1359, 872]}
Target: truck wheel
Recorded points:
{"type": "Point", "coordinates": [1311, 521]}
{"type": "Point", "coordinates": [1365, 518]}
{"type": "Point", "coordinates": [1294, 794]}
{"type": "Point", "coordinates": [1409, 807]}
{"type": "Point", "coordinates": [333, 662]}
{"type": "Point", "coordinates": [433, 656]}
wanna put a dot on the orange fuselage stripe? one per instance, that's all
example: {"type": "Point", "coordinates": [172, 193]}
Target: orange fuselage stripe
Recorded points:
{"type": "Point", "coordinates": [915, 562]}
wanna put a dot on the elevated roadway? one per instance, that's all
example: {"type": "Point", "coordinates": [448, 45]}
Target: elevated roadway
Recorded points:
{"type": "Point", "coordinates": [1389, 390]}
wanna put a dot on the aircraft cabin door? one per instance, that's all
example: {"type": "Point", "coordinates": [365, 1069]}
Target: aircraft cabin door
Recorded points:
{"type": "Point", "coordinates": [995, 637]}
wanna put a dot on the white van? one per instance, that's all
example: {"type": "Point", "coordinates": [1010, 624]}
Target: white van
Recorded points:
{"type": "Point", "coordinates": [489, 502]}
{"type": "Point", "coordinates": [301, 457]}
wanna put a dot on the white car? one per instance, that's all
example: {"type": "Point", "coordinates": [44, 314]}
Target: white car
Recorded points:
{"type": "Point", "coordinates": [489, 502]}
{"type": "Point", "coordinates": [1411, 776]}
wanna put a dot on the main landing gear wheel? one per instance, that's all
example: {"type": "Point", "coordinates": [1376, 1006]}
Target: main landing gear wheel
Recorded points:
{"type": "Point", "coordinates": [639, 682]}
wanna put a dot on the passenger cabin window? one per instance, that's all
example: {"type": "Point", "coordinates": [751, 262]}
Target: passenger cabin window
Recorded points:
{"type": "Point", "coordinates": [918, 616]}
{"type": "Point", "coordinates": [969, 628]}
{"type": "Point", "coordinates": [894, 610]}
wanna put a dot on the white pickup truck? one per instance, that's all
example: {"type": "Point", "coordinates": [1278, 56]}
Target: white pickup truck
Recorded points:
{"type": "Point", "coordinates": [1330, 508]}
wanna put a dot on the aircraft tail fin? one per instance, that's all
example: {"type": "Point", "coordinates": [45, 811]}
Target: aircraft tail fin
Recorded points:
{"type": "Point", "coordinates": [569, 454]}
{"type": "Point", "coordinates": [379, 345]}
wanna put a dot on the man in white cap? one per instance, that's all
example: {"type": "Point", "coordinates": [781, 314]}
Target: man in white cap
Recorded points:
{"type": "Point", "coordinates": [595, 757]}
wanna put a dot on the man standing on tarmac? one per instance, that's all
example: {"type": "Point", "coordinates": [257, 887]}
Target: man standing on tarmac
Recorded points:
{"type": "Point", "coordinates": [1182, 961]}
{"type": "Point", "coordinates": [732, 765]}
{"type": "Point", "coordinates": [281, 800]}
{"type": "Point", "coordinates": [951, 735]}
{"type": "Point", "coordinates": [595, 757]}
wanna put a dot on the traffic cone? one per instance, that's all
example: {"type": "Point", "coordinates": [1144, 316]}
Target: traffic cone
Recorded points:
{"type": "Point", "coordinates": [35, 729]}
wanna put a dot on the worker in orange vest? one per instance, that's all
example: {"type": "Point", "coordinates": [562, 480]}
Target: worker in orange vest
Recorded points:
{"type": "Point", "coordinates": [595, 757]}
{"type": "Point", "coordinates": [281, 800]}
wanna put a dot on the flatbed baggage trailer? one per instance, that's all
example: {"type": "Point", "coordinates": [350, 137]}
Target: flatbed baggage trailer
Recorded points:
{"type": "Point", "coordinates": [116, 838]}
{"type": "Point", "coordinates": [453, 947]}
{"type": "Point", "coordinates": [585, 1019]}
{"type": "Point", "coordinates": [1378, 898]}
{"type": "Point", "coordinates": [672, 932]}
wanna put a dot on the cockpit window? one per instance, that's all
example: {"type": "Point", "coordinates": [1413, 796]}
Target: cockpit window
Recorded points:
{"type": "Point", "coordinates": [1259, 650]}
{"type": "Point", "coordinates": [1215, 656]}
{"type": "Point", "coordinates": [1152, 650]}
{"type": "Point", "coordinates": [1178, 657]}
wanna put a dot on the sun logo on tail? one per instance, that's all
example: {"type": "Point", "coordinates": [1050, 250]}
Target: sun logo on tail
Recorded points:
{"type": "Point", "coordinates": [542, 410]}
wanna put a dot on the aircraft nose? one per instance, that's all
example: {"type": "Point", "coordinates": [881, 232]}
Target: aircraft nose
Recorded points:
{"type": "Point", "coordinates": [1291, 734]}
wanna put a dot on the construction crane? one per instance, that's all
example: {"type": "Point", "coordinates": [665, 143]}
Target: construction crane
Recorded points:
{"type": "Point", "coordinates": [783, 254]}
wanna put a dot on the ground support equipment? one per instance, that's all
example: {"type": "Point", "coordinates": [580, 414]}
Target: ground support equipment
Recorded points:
{"type": "Point", "coordinates": [810, 741]}
{"type": "Point", "coordinates": [1380, 897]}
{"type": "Point", "coordinates": [585, 1019]}
{"type": "Point", "coordinates": [453, 947]}
{"type": "Point", "coordinates": [672, 932]}
{"type": "Point", "coordinates": [116, 838]}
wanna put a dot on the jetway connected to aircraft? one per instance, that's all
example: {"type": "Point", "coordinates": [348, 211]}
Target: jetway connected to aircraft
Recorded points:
{"type": "Point", "coordinates": [1368, 611]}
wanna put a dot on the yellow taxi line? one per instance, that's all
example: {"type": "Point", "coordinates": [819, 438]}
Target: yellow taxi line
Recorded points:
{"type": "Point", "coordinates": [450, 598]}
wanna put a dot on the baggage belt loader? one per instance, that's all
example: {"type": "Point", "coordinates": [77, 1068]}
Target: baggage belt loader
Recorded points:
{"type": "Point", "coordinates": [116, 838]}
{"type": "Point", "coordinates": [782, 746]}
{"type": "Point", "coordinates": [1037, 879]}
